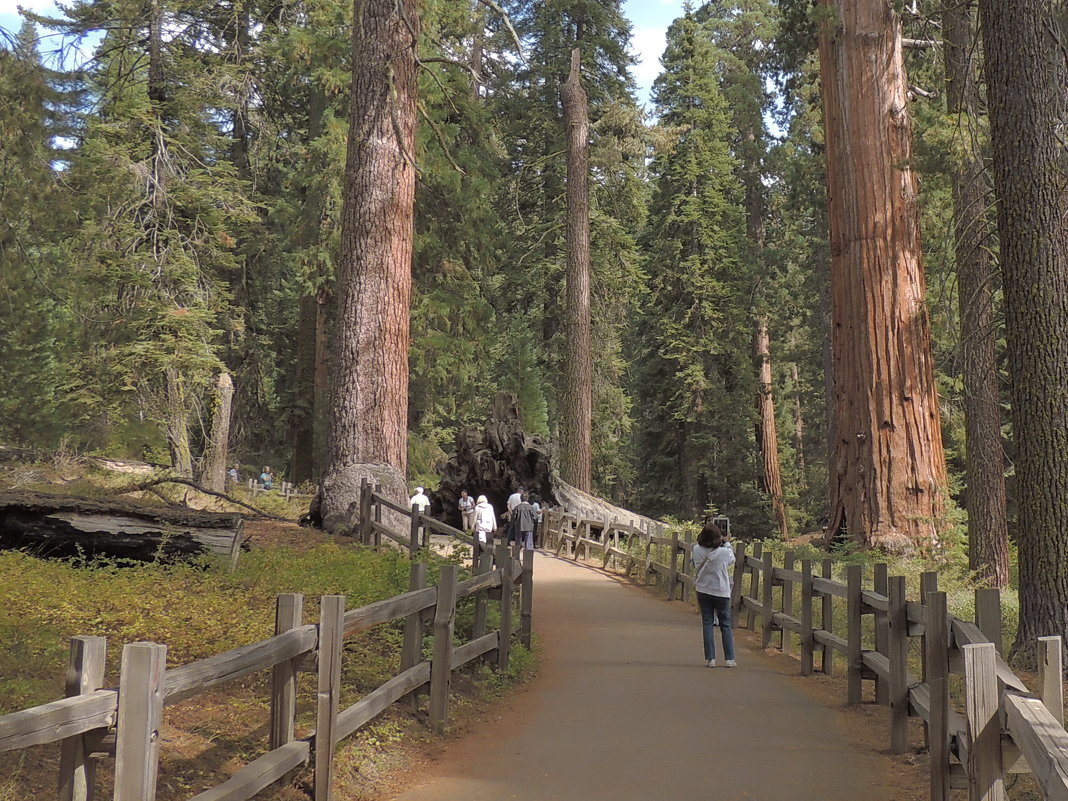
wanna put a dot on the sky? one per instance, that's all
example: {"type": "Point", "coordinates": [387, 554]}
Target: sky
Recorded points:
{"type": "Point", "coordinates": [649, 18]}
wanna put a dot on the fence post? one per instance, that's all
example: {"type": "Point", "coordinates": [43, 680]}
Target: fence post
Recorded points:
{"type": "Point", "coordinates": [485, 565]}
{"type": "Point", "coordinates": [897, 688]}
{"type": "Point", "coordinates": [739, 575]}
{"type": "Point", "coordinates": [854, 577]}
{"type": "Point", "coordinates": [288, 614]}
{"type": "Point", "coordinates": [673, 565]}
{"type": "Point", "coordinates": [936, 656]}
{"type": "Point", "coordinates": [882, 630]}
{"type": "Point", "coordinates": [767, 607]}
{"type": "Point", "coordinates": [526, 598]}
{"type": "Point", "coordinates": [928, 584]}
{"type": "Point", "coordinates": [85, 674]}
{"type": "Point", "coordinates": [441, 664]}
{"type": "Point", "coordinates": [785, 637]}
{"type": "Point", "coordinates": [806, 618]}
{"type": "Point", "coordinates": [827, 620]}
{"type": "Point", "coordinates": [754, 587]}
{"type": "Point", "coordinates": [140, 717]}
{"type": "Point", "coordinates": [413, 533]}
{"type": "Point", "coordinates": [365, 511]}
{"type": "Point", "coordinates": [331, 642]}
{"type": "Point", "coordinates": [985, 780]}
{"type": "Point", "coordinates": [378, 515]}
{"type": "Point", "coordinates": [1050, 676]}
{"type": "Point", "coordinates": [988, 615]}
{"type": "Point", "coordinates": [412, 648]}
{"type": "Point", "coordinates": [504, 637]}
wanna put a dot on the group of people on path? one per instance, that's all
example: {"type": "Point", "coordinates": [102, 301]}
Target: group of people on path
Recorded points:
{"type": "Point", "coordinates": [523, 515]}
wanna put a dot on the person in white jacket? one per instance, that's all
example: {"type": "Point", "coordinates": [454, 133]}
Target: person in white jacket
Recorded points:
{"type": "Point", "coordinates": [485, 521]}
{"type": "Point", "coordinates": [712, 558]}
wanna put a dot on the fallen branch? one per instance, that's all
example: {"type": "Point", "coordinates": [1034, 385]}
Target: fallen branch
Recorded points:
{"type": "Point", "coordinates": [147, 485]}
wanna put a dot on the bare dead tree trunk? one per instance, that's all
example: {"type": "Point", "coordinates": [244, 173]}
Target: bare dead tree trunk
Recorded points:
{"type": "Point", "coordinates": [217, 449]}
{"type": "Point", "coordinates": [766, 432]}
{"type": "Point", "coordinates": [1025, 75]}
{"type": "Point", "coordinates": [888, 475]}
{"type": "Point", "coordinates": [369, 400]}
{"type": "Point", "coordinates": [576, 457]}
{"type": "Point", "coordinates": [988, 527]}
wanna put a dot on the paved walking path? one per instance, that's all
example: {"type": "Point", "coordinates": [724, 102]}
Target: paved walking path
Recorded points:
{"type": "Point", "coordinates": [624, 709]}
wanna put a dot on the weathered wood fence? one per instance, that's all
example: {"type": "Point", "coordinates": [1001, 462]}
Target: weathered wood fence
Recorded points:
{"type": "Point", "coordinates": [1000, 728]}
{"type": "Point", "coordinates": [124, 723]}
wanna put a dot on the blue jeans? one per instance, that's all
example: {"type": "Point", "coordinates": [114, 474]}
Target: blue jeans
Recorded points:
{"type": "Point", "coordinates": [713, 607]}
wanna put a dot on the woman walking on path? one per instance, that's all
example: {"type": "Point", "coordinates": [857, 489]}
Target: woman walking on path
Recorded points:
{"type": "Point", "coordinates": [485, 522]}
{"type": "Point", "coordinates": [712, 558]}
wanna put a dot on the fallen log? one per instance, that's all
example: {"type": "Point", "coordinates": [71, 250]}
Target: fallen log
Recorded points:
{"type": "Point", "coordinates": [61, 527]}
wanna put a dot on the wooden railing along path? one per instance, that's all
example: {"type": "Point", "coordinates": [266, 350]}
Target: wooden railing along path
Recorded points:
{"type": "Point", "coordinates": [1001, 727]}
{"type": "Point", "coordinates": [94, 722]}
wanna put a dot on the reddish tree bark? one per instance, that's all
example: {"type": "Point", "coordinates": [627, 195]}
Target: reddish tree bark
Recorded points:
{"type": "Point", "coordinates": [888, 474]}
{"type": "Point", "coordinates": [988, 527]}
{"type": "Point", "coordinates": [766, 432]}
{"type": "Point", "coordinates": [576, 456]}
{"type": "Point", "coordinates": [369, 399]}
{"type": "Point", "coordinates": [1025, 75]}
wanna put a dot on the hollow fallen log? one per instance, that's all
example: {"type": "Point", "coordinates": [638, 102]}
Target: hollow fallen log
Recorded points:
{"type": "Point", "coordinates": [60, 527]}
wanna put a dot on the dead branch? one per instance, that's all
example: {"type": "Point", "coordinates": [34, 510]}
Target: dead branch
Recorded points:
{"type": "Point", "coordinates": [147, 485]}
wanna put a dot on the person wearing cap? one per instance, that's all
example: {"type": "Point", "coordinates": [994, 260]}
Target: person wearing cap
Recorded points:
{"type": "Point", "coordinates": [420, 500]}
{"type": "Point", "coordinates": [485, 521]}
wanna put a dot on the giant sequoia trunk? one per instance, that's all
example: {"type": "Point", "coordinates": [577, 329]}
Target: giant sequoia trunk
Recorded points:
{"type": "Point", "coordinates": [1026, 100]}
{"type": "Point", "coordinates": [576, 456]}
{"type": "Point", "coordinates": [988, 534]}
{"type": "Point", "coordinates": [888, 474]}
{"type": "Point", "coordinates": [369, 400]}
{"type": "Point", "coordinates": [766, 432]}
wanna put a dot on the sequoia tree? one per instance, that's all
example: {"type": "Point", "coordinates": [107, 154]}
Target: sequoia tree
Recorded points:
{"type": "Point", "coordinates": [369, 399]}
{"type": "Point", "coordinates": [577, 391]}
{"type": "Point", "coordinates": [1025, 75]}
{"type": "Point", "coordinates": [887, 476]}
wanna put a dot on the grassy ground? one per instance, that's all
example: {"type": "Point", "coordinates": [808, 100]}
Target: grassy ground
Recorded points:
{"type": "Point", "coordinates": [198, 610]}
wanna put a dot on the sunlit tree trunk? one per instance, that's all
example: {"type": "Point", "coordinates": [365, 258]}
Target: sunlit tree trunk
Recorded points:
{"type": "Point", "coordinates": [887, 476]}
{"type": "Point", "coordinates": [1025, 75]}
{"type": "Point", "coordinates": [799, 428]}
{"type": "Point", "coordinates": [988, 528]}
{"type": "Point", "coordinates": [369, 398]}
{"type": "Point", "coordinates": [177, 422]}
{"type": "Point", "coordinates": [766, 431]}
{"type": "Point", "coordinates": [577, 395]}
{"type": "Point", "coordinates": [217, 448]}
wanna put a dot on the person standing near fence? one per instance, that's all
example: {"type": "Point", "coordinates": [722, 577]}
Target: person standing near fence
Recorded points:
{"type": "Point", "coordinates": [712, 558]}
{"type": "Point", "coordinates": [466, 505]}
{"type": "Point", "coordinates": [420, 500]}
{"type": "Point", "coordinates": [524, 522]}
{"type": "Point", "coordinates": [513, 501]}
{"type": "Point", "coordinates": [485, 522]}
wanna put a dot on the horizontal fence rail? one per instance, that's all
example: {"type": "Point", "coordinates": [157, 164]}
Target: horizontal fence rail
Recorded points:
{"type": "Point", "coordinates": [1000, 729]}
{"type": "Point", "coordinates": [123, 723]}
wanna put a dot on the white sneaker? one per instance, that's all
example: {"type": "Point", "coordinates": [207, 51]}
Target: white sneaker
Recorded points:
{"type": "Point", "coordinates": [710, 663]}
{"type": "Point", "coordinates": [731, 663]}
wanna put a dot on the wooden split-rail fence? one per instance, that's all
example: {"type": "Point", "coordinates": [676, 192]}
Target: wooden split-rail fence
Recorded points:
{"type": "Point", "coordinates": [997, 728]}
{"type": "Point", "coordinates": [123, 723]}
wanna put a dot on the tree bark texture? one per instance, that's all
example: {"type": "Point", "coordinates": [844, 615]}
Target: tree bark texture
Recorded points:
{"type": "Point", "coordinates": [888, 475]}
{"type": "Point", "coordinates": [217, 448]}
{"type": "Point", "coordinates": [1025, 91]}
{"type": "Point", "coordinates": [177, 423]}
{"type": "Point", "coordinates": [576, 450]}
{"type": "Point", "coordinates": [799, 428]}
{"type": "Point", "coordinates": [369, 399]}
{"type": "Point", "coordinates": [988, 528]}
{"type": "Point", "coordinates": [766, 430]}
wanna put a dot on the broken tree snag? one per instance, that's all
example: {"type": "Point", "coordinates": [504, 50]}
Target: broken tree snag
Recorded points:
{"type": "Point", "coordinates": [59, 527]}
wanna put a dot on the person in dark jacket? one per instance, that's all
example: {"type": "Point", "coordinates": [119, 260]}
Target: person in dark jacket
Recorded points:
{"type": "Point", "coordinates": [525, 518]}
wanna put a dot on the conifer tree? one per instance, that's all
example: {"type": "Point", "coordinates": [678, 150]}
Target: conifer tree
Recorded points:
{"type": "Point", "coordinates": [692, 367]}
